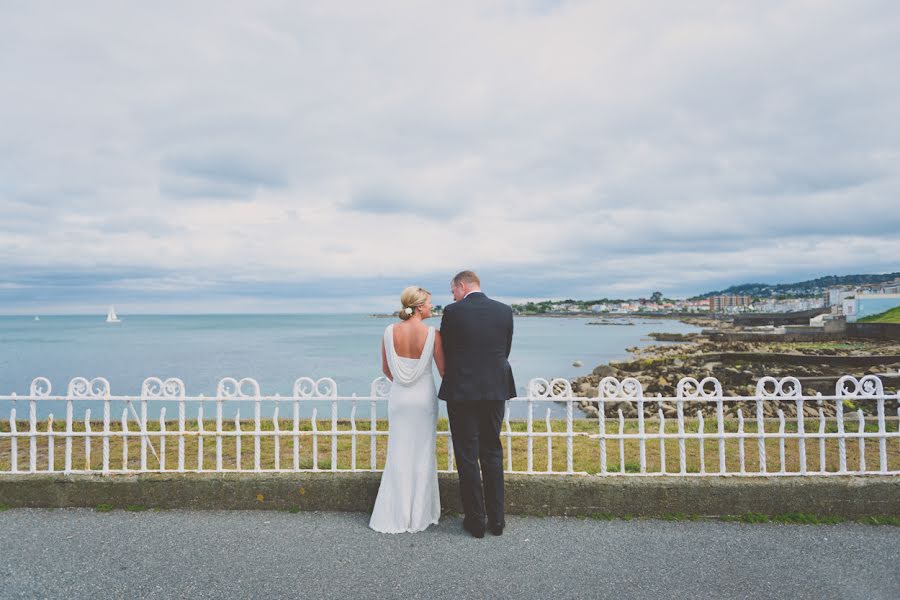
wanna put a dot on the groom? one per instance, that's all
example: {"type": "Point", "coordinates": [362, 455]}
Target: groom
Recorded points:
{"type": "Point", "coordinates": [477, 335]}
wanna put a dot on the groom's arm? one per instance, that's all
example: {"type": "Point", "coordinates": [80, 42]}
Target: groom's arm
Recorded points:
{"type": "Point", "coordinates": [509, 337]}
{"type": "Point", "coordinates": [446, 331]}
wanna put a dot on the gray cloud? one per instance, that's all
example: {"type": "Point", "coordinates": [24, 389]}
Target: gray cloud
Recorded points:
{"type": "Point", "coordinates": [278, 152]}
{"type": "Point", "coordinates": [385, 203]}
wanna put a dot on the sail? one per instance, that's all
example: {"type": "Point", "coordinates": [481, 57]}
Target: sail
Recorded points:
{"type": "Point", "coordinates": [111, 315]}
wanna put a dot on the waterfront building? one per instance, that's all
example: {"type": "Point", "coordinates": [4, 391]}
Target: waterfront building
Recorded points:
{"type": "Point", "coordinates": [867, 305]}
{"type": "Point", "coordinates": [723, 303]}
{"type": "Point", "coordinates": [835, 296]}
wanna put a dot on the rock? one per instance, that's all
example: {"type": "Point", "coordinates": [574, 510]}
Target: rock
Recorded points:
{"type": "Point", "coordinates": [605, 371]}
{"type": "Point", "coordinates": [677, 363]}
{"type": "Point", "coordinates": [577, 363]}
{"type": "Point", "coordinates": [625, 406]}
{"type": "Point", "coordinates": [591, 411]}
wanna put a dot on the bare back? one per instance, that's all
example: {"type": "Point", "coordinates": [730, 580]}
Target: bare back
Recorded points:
{"type": "Point", "coordinates": [410, 338]}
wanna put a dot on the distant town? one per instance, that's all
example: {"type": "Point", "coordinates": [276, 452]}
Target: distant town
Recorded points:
{"type": "Point", "coordinates": [852, 297]}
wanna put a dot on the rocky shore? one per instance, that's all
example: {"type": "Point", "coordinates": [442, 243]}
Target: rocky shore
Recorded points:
{"type": "Point", "coordinates": [739, 366]}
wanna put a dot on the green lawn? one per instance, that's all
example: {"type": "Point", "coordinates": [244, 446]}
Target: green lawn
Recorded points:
{"type": "Point", "coordinates": [891, 316]}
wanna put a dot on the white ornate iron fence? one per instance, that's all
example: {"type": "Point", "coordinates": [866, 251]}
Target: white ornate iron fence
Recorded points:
{"type": "Point", "coordinates": [651, 444]}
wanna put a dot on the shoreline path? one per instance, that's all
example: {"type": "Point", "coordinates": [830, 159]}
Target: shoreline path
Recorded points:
{"type": "Point", "coordinates": [81, 553]}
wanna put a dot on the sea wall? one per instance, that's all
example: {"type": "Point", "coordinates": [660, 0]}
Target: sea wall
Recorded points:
{"type": "Point", "coordinates": [848, 497]}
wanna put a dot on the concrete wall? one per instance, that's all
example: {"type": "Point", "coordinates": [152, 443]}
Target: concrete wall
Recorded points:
{"type": "Point", "coordinates": [877, 331]}
{"type": "Point", "coordinates": [776, 319]}
{"type": "Point", "coordinates": [849, 497]}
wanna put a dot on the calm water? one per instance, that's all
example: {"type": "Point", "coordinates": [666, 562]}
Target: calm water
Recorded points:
{"type": "Point", "coordinates": [273, 349]}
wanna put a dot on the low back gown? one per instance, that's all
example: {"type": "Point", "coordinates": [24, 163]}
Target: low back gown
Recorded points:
{"type": "Point", "coordinates": [408, 498]}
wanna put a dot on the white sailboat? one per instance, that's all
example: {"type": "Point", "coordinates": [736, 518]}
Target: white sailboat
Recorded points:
{"type": "Point", "coordinates": [111, 315]}
{"type": "Point", "coordinates": [36, 318]}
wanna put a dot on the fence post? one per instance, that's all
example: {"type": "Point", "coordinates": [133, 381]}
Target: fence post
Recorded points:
{"type": "Point", "coordinates": [50, 444]}
{"type": "Point", "coordinates": [124, 439]}
{"type": "Point", "coordinates": [720, 420]}
{"type": "Point", "coordinates": [842, 440]}
{"type": "Point", "coordinates": [570, 437]}
{"type": "Point", "coordinates": [200, 432]}
{"type": "Point", "coordinates": [861, 430]}
{"type": "Point", "coordinates": [662, 442]}
{"type": "Point", "coordinates": [315, 443]}
{"type": "Point", "coordinates": [882, 440]}
{"type": "Point", "coordinates": [276, 434]}
{"type": "Point", "coordinates": [761, 434]}
{"type": "Point", "coordinates": [162, 438]}
{"type": "Point", "coordinates": [822, 466]}
{"type": "Point", "coordinates": [642, 445]}
{"type": "Point", "coordinates": [702, 433]}
{"type": "Point", "coordinates": [781, 441]}
{"type": "Point", "coordinates": [32, 438]}
{"type": "Point", "coordinates": [682, 450]}
{"type": "Point", "coordinates": [87, 440]}
{"type": "Point", "coordinates": [67, 465]}
{"type": "Point", "coordinates": [219, 406]}
{"type": "Point", "coordinates": [334, 436]}
{"type": "Point", "coordinates": [14, 443]}
{"type": "Point", "coordinates": [106, 421]}
{"type": "Point", "coordinates": [549, 443]}
{"type": "Point", "coordinates": [801, 433]}
{"type": "Point", "coordinates": [621, 443]}
{"type": "Point", "coordinates": [237, 440]}
{"type": "Point", "coordinates": [530, 429]}
{"type": "Point", "coordinates": [146, 433]}
{"type": "Point", "coordinates": [353, 435]}
{"type": "Point", "coordinates": [373, 427]}
{"type": "Point", "coordinates": [601, 431]}
{"type": "Point", "coordinates": [296, 438]}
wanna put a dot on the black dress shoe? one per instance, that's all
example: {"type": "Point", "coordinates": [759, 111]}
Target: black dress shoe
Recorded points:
{"type": "Point", "coordinates": [496, 528]}
{"type": "Point", "coordinates": [475, 529]}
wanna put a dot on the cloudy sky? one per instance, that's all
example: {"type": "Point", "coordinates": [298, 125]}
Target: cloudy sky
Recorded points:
{"type": "Point", "coordinates": [318, 156]}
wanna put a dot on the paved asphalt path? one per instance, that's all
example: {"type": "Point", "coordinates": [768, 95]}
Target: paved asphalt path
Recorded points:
{"type": "Point", "coordinates": [80, 553]}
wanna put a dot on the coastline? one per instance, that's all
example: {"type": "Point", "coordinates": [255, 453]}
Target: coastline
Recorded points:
{"type": "Point", "coordinates": [738, 366]}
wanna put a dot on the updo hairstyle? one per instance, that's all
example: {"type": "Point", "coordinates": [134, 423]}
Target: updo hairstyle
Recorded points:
{"type": "Point", "coordinates": [412, 298]}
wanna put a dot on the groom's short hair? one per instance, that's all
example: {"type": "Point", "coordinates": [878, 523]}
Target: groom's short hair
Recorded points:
{"type": "Point", "coordinates": [467, 277]}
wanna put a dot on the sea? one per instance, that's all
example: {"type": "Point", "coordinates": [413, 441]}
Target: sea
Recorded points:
{"type": "Point", "coordinates": [274, 350]}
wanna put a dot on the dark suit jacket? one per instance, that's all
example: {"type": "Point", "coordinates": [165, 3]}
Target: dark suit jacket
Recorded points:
{"type": "Point", "coordinates": [477, 336]}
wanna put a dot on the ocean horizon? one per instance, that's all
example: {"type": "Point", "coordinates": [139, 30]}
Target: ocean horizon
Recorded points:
{"type": "Point", "coordinates": [273, 349]}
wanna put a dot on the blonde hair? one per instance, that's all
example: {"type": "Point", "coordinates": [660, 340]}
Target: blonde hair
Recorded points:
{"type": "Point", "coordinates": [412, 297]}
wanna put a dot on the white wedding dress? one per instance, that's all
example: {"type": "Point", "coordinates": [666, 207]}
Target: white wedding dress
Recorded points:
{"type": "Point", "coordinates": [408, 498]}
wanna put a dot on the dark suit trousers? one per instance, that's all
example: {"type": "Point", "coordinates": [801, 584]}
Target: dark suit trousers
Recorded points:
{"type": "Point", "coordinates": [475, 429]}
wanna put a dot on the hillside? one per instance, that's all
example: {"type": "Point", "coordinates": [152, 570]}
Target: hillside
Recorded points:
{"type": "Point", "coordinates": [891, 316]}
{"type": "Point", "coordinates": [813, 287]}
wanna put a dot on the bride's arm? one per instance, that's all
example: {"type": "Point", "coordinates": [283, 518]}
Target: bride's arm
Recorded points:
{"type": "Point", "coordinates": [439, 353]}
{"type": "Point", "coordinates": [384, 363]}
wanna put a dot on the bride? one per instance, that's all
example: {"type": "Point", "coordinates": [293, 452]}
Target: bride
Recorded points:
{"type": "Point", "coordinates": [408, 498]}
